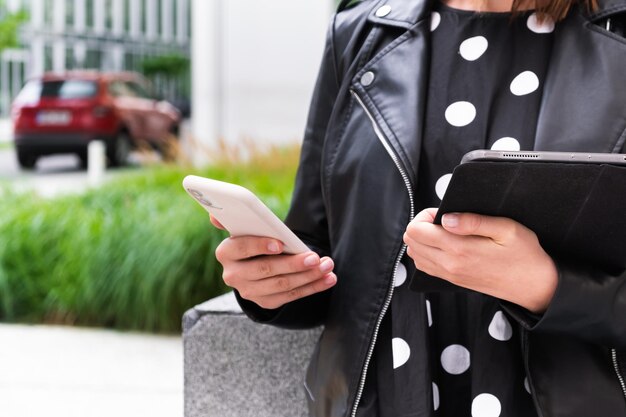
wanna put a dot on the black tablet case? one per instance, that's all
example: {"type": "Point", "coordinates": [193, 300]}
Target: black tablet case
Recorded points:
{"type": "Point", "coordinates": [577, 210]}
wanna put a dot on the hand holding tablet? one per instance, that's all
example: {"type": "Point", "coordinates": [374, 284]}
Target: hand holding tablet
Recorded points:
{"type": "Point", "coordinates": [574, 202]}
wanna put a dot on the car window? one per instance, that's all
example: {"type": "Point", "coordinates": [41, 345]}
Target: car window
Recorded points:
{"type": "Point", "coordinates": [138, 89]}
{"type": "Point", "coordinates": [69, 89]}
{"type": "Point", "coordinates": [30, 93]}
{"type": "Point", "coordinates": [120, 89]}
{"type": "Point", "coordinates": [34, 90]}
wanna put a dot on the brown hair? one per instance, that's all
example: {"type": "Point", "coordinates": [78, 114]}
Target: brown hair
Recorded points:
{"type": "Point", "coordinates": [556, 9]}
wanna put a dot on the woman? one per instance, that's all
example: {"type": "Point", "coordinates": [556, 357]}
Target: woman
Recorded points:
{"type": "Point", "coordinates": [405, 89]}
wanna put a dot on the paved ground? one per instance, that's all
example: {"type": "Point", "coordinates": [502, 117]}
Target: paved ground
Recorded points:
{"type": "Point", "coordinates": [67, 372]}
{"type": "Point", "coordinates": [54, 175]}
{"type": "Point", "coordinates": [51, 165]}
{"type": "Point", "coordinates": [5, 130]}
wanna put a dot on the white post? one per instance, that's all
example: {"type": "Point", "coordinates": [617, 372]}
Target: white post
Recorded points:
{"type": "Point", "coordinates": [135, 18]}
{"type": "Point", "coordinates": [80, 54]}
{"type": "Point", "coordinates": [117, 55]}
{"type": "Point", "coordinates": [36, 56]}
{"type": "Point", "coordinates": [36, 14]}
{"type": "Point", "coordinates": [151, 18]}
{"type": "Point", "coordinates": [59, 16]}
{"type": "Point", "coordinates": [5, 99]}
{"type": "Point", "coordinates": [18, 76]}
{"type": "Point", "coordinates": [58, 47]}
{"type": "Point", "coordinates": [99, 16]}
{"type": "Point", "coordinates": [206, 73]}
{"type": "Point", "coordinates": [96, 162]}
{"type": "Point", "coordinates": [80, 16]}
{"type": "Point", "coordinates": [182, 14]}
{"type": "Point", "coordinates": [167, 14]}
{"type": "Point", "coordinates": [118, 17]}
{"type": "Point", "coordinates": [58, 56]}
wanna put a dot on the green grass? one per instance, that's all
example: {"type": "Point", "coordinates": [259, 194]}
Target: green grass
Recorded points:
{"type": "Point", "coordinates": [134, 254]}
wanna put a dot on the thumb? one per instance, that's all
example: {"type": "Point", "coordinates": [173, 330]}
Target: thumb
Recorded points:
{"type": "Point", "coordinates": [496, 228]}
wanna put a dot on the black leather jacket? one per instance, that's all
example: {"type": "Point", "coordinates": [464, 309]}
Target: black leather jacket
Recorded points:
{"type": "Point", "coordinates": [354, 198]}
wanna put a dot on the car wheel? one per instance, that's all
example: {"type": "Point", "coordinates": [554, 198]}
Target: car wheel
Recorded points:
{"type": "Point", "coordinates": [26, 160]}
{"type": "Point", "coordinates": [119, 149]}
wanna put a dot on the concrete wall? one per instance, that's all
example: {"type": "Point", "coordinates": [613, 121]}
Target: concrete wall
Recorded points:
{"type": "Point", "coordinates": [237, 368]}
{"type": "Point", "coordinates": [254, 66]}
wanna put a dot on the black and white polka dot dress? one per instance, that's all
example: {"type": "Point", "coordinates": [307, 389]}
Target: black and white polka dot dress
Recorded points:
{"type": "Point", "coordinates": [465, 358]}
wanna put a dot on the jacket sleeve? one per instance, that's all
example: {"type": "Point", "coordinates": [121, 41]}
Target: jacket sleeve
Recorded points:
{"type": "Point", "coordinates": [307, 215]}
{"type": "Point", "coordinates": [589, 304]}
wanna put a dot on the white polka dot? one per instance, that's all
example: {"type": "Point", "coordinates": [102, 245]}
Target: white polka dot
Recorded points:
{"type": "Point", "coordinates": [506, 144]}
{"type": "Point", "coordinates": [442, 185]}
{"type": "Point", "coordinates": [473, 48]}
{"type": "Point", "coordinates": [461, 113]}
{"type": "Point", "coordinates": [486, 405]}
{"type": "Point", "coordinates": [455, 359]}
{"type": "Point", "coordinates": [435, 19]}
{"type": "Point", "coordinates": [546, 26]}
{"type": "Point", "coordinates": [524, 83]}
{"type": "Point", "coordinates": [526, 385]}
{"type": "Point", "coordinates": [435, 396]}
{"type": "Point", "coordinates": [500, 328]}
{"type": "Point", "coordinates": [429, 314]}
{"type": "Point", "coordinates": [400, 275]}
{"type": "Point", "coordinates": [401, 352]}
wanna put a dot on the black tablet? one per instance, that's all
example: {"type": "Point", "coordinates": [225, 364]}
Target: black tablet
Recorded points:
{"type": "Point", "coordinates": [545, 156]}
{"type": "Point", "coordinates": [574, 202]}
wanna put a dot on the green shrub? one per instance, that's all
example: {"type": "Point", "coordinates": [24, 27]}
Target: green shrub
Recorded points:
{"type": "Point", "coordinates": [134, 254]}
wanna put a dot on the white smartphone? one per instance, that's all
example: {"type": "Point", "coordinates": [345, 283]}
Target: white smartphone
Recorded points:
{"type": "Point", "coordinates": [241, 212]}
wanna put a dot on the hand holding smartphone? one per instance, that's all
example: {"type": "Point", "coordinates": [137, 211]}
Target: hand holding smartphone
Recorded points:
{"type": "Point", "coordinates": [269, 281]}
{"type": "Point", "coordinates": [241, 212]}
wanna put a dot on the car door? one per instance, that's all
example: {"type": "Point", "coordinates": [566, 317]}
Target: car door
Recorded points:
{"type": "Point", "coordinates": [129, 108]}
{"type": "Point", "coordinates": [156, 123]}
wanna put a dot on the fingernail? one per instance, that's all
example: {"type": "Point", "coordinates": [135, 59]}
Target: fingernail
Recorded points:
{"type": "Point", "coordinates": [272, 247]}
{"type": "Point", "coordinates": [450, 220]}
{"type": "Point", "coordinates": [326, 266]}
{"type": "Point", "coordinates": [330, 279]}
{"type": "Point", "coordinates": [311, 260]}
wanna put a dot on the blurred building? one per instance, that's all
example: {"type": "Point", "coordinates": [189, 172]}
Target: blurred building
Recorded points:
{"type": "Point", "coordinates": [254, 67]}
{"type": "Point", "coordinates": [108, 35]}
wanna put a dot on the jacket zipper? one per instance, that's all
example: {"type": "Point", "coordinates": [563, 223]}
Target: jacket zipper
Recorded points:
{"type": "Point", "coordinates": [407, 183]}
{"type": "Point", "coordinates": [620, 378]}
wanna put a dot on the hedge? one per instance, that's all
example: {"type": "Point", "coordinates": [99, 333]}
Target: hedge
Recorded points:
{"type": "Point", "coordinates": [133, 254]}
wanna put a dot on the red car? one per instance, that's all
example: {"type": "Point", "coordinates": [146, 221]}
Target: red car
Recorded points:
{"type": "Point", "coordinates": [63, 113]}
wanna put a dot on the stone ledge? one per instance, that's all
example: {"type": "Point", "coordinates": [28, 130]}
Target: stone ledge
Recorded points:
{"type": "Point", "coordinates": [237, 368]}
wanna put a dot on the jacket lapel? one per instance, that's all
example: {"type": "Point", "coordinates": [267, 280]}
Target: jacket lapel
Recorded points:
{"type": "Point", "coordinates": [584, 96]}
{"type": "Point", "coordinates": [396, 96]}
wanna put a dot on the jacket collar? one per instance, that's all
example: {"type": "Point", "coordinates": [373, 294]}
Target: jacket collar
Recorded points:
{"type": "Point", "coordinates": [608, 8]}
{"type": "Point", "coordinates": [404, 13]}
{"type": "Point", "coordinates": [400, 13]}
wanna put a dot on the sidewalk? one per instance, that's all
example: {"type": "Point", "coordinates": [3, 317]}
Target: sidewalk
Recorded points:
{"type": "Point", "coordinates": [6, 130]}
{"type": "Point", "coordinates": [56, 371]}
